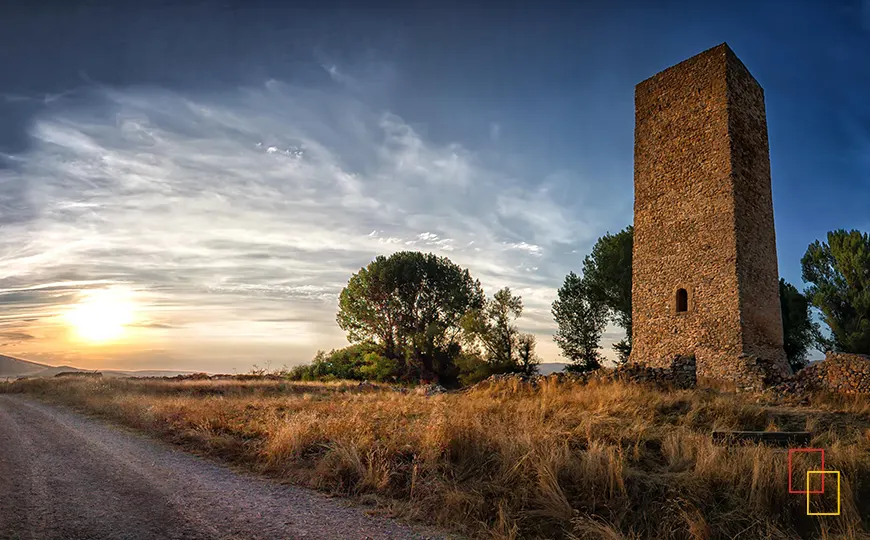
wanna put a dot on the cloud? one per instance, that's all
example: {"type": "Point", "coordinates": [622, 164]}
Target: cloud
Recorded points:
{"type": "Point", "coordinates": [340, 77]}
{"type": "Point", "coordinates": [241, 216]}
{"type": "Point", "coordinates": [45, 98]}
{"type": "Point", "coordinates": [524, 246]}
{"type": "Point", "coordinates": [11, 338]}
{"type": "Point", "coordinates": [153, 325]}
{"type": "Point", "coordinates": [363, 75]}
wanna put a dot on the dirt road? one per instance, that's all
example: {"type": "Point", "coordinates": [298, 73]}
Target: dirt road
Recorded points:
{"type": "Point", "coordinates": [66, 476]}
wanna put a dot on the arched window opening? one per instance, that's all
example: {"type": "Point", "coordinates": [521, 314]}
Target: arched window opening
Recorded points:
{"type": "Point", "coordinates": [682, 301]}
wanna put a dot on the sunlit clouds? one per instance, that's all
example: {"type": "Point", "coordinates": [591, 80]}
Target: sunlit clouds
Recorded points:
{"type": "Point", "coordinates": [235, 219]}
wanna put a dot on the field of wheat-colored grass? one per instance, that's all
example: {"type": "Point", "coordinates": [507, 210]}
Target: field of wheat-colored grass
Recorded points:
{"type": "Point", "coordinates": [509, 460]}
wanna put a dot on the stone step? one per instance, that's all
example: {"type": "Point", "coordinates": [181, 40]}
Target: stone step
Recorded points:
{"type": "Point", "coordinates": [780, 438]}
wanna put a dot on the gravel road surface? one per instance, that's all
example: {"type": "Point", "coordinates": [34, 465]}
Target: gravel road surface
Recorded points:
{"type": "Point", "coordinates": [67, 476]}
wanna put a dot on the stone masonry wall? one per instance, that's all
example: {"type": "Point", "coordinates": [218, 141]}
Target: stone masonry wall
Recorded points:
{"type": "Point", "coordinates": [838, 372]}
{"type": "Point", "coordinates": [683, 216]}
{"type": "Point", "coordinates": [680, 373]}
{"type": "Point", "coordinates": [700, 156]}
{"type": "Point", "coordinates": [757, 271]}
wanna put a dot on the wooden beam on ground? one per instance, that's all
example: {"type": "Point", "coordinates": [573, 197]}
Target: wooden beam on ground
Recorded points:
{"type": "Point", "coordinates": [780, 438]}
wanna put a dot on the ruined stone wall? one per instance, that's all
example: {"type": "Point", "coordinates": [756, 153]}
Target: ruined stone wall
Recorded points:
{"type": "Point", "coordinates": [698, 128]}
{"type": "Point", "coordinates": [838, 372]}
{"type": "Point", "coordinates": [680, 373]}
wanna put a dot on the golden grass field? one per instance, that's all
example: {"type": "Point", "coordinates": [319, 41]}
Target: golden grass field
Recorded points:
{"type": "Point", "coordinates": [509, 460]}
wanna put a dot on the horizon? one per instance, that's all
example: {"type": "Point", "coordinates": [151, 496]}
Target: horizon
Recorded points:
{"type": "Point", "coordinates": [196, 200]}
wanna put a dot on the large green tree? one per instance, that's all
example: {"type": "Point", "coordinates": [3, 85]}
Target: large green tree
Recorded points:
{"type": "Point", "coordinates": [838, 272]}
{"type": "Point", "coordinates": [581, 321]}
{"type": "Point", "coordinates": [411, 304]}
{"type": "Point", "coordinates": [607, 281]}
{"type": "Point", "coordinates": [800, 333]}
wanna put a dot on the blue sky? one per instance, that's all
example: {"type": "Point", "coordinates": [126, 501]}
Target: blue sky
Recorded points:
{"type": "Point", "coordinates": [229, 169]}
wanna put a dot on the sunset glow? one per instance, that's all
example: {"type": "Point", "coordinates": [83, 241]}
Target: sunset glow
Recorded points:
{"type": "Point", "coordinates": [235, 175]}
{"type": "Point", "coordinates": [102, 314]}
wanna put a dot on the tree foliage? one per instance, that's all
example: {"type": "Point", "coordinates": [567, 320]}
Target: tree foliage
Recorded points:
{"type": "Point", "coordinates": [800, 333]}
{"type": "Point", "coordinates": [410, 304]}
{"type": "Point", "coordinates": [351, 362]}
{"type": "Point", "coordinates": [492, 341]}
{"type": "Point", "coordinates": [527, 359]}
{"type": "Point", "coordinates": [838, 272]}
{"type": "Point", "coordinates": [492, 328]}
{"type": "Point", "coordinates": [607, 281]}
{"type": "Point", "coordinates": [587, 304]}
{"type": "Point", "coordinates": [581, 321]}
{"type": "Point", "coordinates": [377, 367]}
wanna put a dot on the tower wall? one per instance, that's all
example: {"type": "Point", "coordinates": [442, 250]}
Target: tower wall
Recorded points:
{"type": "Point", "coordinates": [758, 274]}
{"type": "Point", "coordinates": [703, 221]}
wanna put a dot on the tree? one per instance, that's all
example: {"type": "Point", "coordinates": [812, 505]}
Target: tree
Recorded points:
{"type": "Point", "coordinates": [491, 337]}
{"type": "Point", "coordinates": [378, 367]}
{"type": "Point", "coordinates": [527, 360]}
{"type": "Point", "coordinates": [345, 363]}
{"type": "Point", "coordinates": [472, 367]}
{"type": "Point", "coordinates": [607, 280]}
{"type": "Point", "coordinates": [410, 304]}
{"type": "Point", "coordinates": [839, 275]}
{"type": "Point", "coordinates": [800, 333]}
{"type": "Point", "coordinates": [581, 322]}
{"type": "Point", "coordinates": [492, 330]}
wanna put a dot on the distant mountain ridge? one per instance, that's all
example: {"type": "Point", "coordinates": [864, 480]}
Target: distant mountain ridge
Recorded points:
{"type": "Point", "coordinates": [11, 368]}
{"type": "Point", "coordinates": [546, 368]}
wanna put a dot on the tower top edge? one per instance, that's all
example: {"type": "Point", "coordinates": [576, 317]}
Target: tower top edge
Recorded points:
{"type": "Point", "coordinates": [721, 51]}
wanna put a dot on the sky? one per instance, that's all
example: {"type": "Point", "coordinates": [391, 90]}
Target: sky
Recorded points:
{"type": "Point", "coordinates": [223, 169]}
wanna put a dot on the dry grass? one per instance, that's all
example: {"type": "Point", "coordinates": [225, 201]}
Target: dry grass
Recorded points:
{"type": "Point", "coordinates": [510, 461]}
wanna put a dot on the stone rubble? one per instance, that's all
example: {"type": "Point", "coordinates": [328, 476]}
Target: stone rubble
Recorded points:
{"type": "Point", "coordinates": [681, 374]}
{"type": "Point", "coordinates": [429, 390]}
{"type": "Point", "coordinates": [838, 372]}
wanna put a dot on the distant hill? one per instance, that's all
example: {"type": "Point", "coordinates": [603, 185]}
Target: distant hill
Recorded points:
{"type": "Point", "coordinates": [11, 368]}
{"type": "Point", "coordinates": [546, 368]}
{"type": "Point", "coordinates": [14, 367]}
{"type": "Point", "coordinates": [144, 373]}
{"type": "Point", "coordinates": [51, 371]}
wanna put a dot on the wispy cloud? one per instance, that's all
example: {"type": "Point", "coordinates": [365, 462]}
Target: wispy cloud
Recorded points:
{"type": "Point", "coordinates": [155, 325]}
{"type": "Point", "coordinates": [241, 216]}
{"type": "Point", "coordinates": [339, 76]}
{"type": "Point", "coordinates": [13, 338]}
{"type": "Point", "coordinates": [495, 131]}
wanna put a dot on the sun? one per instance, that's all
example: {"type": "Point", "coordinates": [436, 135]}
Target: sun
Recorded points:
{"type": "Point", "coordinates": [102, 314]}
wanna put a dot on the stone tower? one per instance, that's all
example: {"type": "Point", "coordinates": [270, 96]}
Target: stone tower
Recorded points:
{"type": "Point", "coordinates": [705, 278]}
